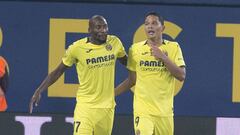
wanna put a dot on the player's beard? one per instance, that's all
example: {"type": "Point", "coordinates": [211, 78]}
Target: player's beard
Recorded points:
{"type": "Point", "coordinates": [98, 38]}
{"type": "Point", "coordinates": [101, 38]}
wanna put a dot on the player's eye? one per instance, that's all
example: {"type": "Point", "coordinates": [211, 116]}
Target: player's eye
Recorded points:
{"type": "Point", "coordinates": [146, 23]}
{"type": "Point", "coordinates": [155, 23]}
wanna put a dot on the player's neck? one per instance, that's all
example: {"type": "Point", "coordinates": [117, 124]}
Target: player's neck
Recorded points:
{"type": "Point", "coordinates": [95, 41]}
{"type": "Point", "coordinates": [155, 41]}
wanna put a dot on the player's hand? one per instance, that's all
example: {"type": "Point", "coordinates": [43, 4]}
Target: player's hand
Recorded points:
{"type": "Point", "coordinates": [34, 100]}
{"type": "Point", "coordinates": [157, 53]}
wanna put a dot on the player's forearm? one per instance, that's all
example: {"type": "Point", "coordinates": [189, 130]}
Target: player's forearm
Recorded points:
{"type": "Point", "coordinates": [124, 86]}
{"type": "Point", "coordinates": [48, 81]}
{"type": "Point", "coordinates": [178, 72]}
{"type": "Point", "coordinates": [52, 78]}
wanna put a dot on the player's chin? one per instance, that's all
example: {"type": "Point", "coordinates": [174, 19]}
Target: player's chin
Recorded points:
{"type": "Point", "coordinates": [151, 36]}
{"type": "Point", "coordinates": [102, 38]}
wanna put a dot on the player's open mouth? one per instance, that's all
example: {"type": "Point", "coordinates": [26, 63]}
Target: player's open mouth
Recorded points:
{"type": "Point", "coordinates": [102, 34]}
{"type": "Point", "coordinates": [151, 32]}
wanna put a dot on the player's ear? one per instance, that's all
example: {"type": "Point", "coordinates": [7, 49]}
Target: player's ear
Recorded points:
{"type": "Point", "coordinates": [163, 28]}
{"type": "Point", "coordinates": [89, 30]}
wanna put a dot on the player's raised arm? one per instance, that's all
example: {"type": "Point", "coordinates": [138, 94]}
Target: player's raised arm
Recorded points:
{"type": "Point", "coordinates": [49, 80]}
{"type": "Point", "coordinates": [179, 72]}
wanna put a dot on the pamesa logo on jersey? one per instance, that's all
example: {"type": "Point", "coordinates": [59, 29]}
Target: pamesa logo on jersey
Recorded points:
{"type": "Point", "coordinates": [151, 63]}
{"type": "Point", "coordinates": [100, 59]}
{"type": "Point", "coordinates": [152, 66]}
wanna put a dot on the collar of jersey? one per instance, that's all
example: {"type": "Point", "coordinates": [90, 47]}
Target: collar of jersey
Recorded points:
{"type": "Point", "coordinates": [164, 42]}
{"type": "Point", "coordinates": [88, 44]}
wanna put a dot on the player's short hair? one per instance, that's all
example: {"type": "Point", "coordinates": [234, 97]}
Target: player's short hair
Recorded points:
{"type": "Point", "coordinates": [157, 15]}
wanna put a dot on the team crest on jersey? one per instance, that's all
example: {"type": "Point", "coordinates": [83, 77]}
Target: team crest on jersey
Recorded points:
{"type": "Point", "coordinates": [108, 47]}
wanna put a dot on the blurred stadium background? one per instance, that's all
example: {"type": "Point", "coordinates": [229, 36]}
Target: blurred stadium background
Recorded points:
{"type": "Point", "coordinates": [34, 34]}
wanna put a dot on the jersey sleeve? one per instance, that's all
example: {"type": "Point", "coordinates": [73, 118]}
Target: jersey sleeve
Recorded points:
{"type": "Point", "coordinates": [121, 52]}
{"type": "Point", "coordinates": [179, 60]}
{"type": "Point", "coordinates": [131, 64]}
{"type": "Point", "coordinates": [68, 58]}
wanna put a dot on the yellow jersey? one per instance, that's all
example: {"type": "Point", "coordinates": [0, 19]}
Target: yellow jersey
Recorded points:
{"type": "Point", "coordinates": [154, 89]}
{"type": "Point", "coordinates": [95, 65]}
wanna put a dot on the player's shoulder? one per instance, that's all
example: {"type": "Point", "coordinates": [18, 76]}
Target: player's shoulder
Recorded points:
{"type": "Point", "coordinates": [138, 44]}
{"type": "Point", "coordinates": [113, 38]}
{"type": "Point", "coordinates": [78, 43]}
{"type": "Point", "coordinates": [170, 43]}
